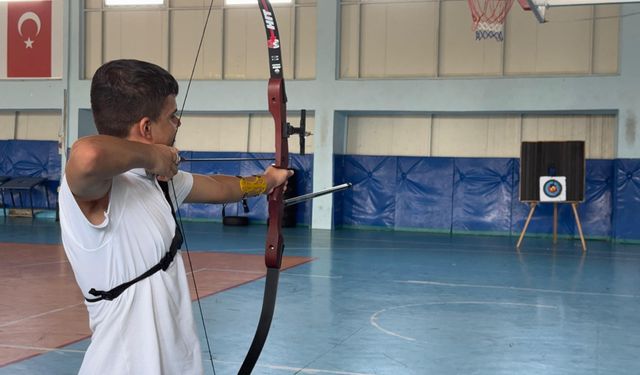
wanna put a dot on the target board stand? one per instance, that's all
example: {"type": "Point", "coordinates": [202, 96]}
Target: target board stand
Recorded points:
{"type": "Point", "coordinates": [552, 172]}
{"type": "Point", "coordinates": [554, 189]}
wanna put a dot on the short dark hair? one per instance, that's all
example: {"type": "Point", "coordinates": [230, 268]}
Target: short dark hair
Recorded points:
{"type": "Point", "coordinates": [125, 91]}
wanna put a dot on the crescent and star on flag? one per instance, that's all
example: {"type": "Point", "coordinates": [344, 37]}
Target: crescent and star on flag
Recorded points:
{"type": "Point", "coordinates": [26, 16]}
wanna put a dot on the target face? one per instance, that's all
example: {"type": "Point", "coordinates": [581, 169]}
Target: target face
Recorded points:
{"type": "Point", "coordinates": [553, 189]}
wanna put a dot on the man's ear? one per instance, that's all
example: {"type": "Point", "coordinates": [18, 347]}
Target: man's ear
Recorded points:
{"type": "Point", "coordinates": [142, 128]}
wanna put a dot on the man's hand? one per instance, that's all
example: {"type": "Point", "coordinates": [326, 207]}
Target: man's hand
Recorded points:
{"type": "Point", "coordinates": [276, 177]}
{"type": "Point", "coordinates": [165, 162]}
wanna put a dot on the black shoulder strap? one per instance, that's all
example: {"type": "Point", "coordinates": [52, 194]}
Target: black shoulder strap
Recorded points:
{"type": "Point", "coordinates": [164, 186]}
{"type": "Point", "coordinates": [164, 263]}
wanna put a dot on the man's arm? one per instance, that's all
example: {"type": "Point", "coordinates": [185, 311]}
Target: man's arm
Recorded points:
{"type": "Point", "coordinates": [95, 160]}
{"type": "Point", "coordinates": [225, 189]}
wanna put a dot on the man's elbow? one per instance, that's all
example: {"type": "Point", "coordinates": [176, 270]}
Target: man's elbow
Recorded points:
{"type": "Point", "coordinates": [84, 159]}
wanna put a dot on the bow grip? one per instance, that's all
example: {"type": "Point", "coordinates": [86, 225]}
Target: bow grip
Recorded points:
{"type": "Point", "coordinates": [274, 246]}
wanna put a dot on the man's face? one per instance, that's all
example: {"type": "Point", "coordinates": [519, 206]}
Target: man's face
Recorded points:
{"type": "Point", "coordinates": [167, 124]}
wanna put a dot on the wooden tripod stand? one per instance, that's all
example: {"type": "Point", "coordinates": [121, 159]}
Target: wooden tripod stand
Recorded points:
{"type": "Point", "coordinates": [574, 207]}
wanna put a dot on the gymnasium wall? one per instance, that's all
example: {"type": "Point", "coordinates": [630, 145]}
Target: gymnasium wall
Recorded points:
{"type": "Point", "coordinates": [407, 87]}
{"type": "Point", "coordinates": [436, 194]}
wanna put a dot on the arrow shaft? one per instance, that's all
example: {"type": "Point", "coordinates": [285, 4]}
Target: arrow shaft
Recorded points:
{"type": "Point", "coordinates": [306, 197]}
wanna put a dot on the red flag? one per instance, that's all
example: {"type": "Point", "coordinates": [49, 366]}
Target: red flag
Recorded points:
{"type": "Point", "coordinates": [29, 39]}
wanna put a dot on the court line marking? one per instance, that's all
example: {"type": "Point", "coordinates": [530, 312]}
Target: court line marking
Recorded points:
{"type": "Point", "coordinates": [262, 273]}
{"type": "Point", "coordinates": [373, 320]}
{"type": "Point", "coordinates": [273, 367]}
{"type": "Point", "coordinates": [311, 275]}
{"type": "Point", "coordinates": [555, 291]}
{"type": "Point", "coordinates": [25, 265]}
{"type": "Point", "coordinates": [228, 270]}
{"type": "Point", "coordinates": [39, 315]}
{"type": "Point", "coordinates": [41, 349]}
{"type": "Point", "coordinates": [300, 370]}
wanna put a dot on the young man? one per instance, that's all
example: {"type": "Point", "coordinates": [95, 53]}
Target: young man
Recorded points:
{"type": "Point", "coordinates": [118, 229]}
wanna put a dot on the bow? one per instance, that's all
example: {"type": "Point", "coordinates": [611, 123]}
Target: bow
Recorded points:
{"type": "Point", "coordinates": [274, 246]}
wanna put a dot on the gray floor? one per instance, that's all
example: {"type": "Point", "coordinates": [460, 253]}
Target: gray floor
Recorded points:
{"type": "Point", "coordinates": [412, 303]}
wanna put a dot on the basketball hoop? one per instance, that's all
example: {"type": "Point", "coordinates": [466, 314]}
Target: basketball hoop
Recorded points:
{"type": "Point", "coordinates": [488, 18]}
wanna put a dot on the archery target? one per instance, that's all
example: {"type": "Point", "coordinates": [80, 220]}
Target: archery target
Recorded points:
{"type": "Point", "coordinates": [553, 189]}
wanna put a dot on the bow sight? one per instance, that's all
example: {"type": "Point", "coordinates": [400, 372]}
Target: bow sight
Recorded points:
{"type": "Point", "coordinates": [300, 131]}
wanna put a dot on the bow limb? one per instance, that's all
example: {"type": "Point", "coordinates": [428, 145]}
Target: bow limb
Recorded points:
{"type": "Point", "coordinates": [274, 247]}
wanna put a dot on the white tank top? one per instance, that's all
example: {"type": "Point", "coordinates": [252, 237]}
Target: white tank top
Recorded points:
{"type": "Point", "coordinates": [149, 328]}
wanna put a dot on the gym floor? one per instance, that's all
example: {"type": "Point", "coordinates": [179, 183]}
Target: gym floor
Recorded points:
{"type": "Point", "coordinates": [358, 302]}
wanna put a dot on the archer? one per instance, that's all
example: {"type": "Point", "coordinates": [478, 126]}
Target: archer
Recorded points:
{"type": "Point", "coordinates": [119, 229]}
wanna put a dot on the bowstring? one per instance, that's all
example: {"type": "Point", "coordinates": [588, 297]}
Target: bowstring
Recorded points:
{"type": "Point", "coordinates": [193, 277]}
{"type": "Point", "coordinates": [178, 215]}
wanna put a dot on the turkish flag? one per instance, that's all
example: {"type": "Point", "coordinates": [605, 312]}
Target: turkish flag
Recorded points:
{"type": "Point", "coordinates": [29, 39]}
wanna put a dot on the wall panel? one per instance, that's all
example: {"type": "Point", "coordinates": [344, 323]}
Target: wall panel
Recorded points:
{"type": "Point", "coordinates": [565, 45]}
{"type": "Point", "coordinates": [460, 52]}
{"type": "Point", "coordinates": [305, 43]}
{"type": "Point", "coordinates": [389, 135]}
{"type": "Point", "coordinates": [597, 131]}
{"type": "Point", "coordinates": [373, 40]}
{"type": "Point", "coordinates": [7, 125]}
{"type": "Point", "coordinates": [42, 125]}
{"type": "Point", "coordinates": [458, 135]}
{"type": "Point", "coordinates": [261, 133]}
{"type": "Point", "coordinates": [187, 25]}
{"type": "Point", "coordinates": [349, 41]}
{"type": "Point", "coordinates": [93, 43]}
{"type": "Point", "coordinates": [398, 40]}
{"type": "Point", "coordinates": [494, 136]}
{"type": "Point", "coordinates": [233, 46]}
{"type": "Point", "coordinates": [425, 38]}
{"type": "Point", "coordinates": [236, 133]}
{"type": "Point", "coordinates": [606, 34]}
{"type": "Point", "coordinates": [136, 35]}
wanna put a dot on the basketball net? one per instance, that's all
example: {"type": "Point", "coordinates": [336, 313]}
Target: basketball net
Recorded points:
{"type": "Point", "coordinates": [488, 18]}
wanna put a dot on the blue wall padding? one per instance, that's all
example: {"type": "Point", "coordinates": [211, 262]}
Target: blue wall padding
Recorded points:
{"type": "Point", "coordinates": [33, 159]}
{"type": "Point", "coordinates": [596, 212]}
{"type": "Point", "coordinates": [303, 166]}
{"type": "Point", "coordinates": [208, 211]}
{"type": "Point", "coordinates": [339, 198]}
{"type": "Point", "coordinates": [482, 191]}
{"type": "Point", "coordinates": [626, 209]}
{"type": "Point", "coordinates": [430, 193]}
{"type": "Point", "coordinates": [371, 200]}
{"type": "Point", "coordinates": [423, 193]}
{"type": "Point", "coordinates": [480, 195]}
{"type": "Point", "coordinates": [4, 157]}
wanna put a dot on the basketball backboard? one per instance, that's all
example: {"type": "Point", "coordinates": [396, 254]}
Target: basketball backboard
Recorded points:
{"type": "Point", "coordinates": [539, 7]}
